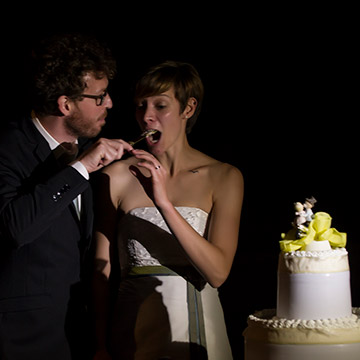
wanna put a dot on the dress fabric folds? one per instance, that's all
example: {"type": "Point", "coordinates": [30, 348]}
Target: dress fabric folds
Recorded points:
{"type": "Point", "coordinates": [164, 309]}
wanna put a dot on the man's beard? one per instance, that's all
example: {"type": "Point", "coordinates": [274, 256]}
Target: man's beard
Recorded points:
{"type": "Point", "coordinates": [78, 126]}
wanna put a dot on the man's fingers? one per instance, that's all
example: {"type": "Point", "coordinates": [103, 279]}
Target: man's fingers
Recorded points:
{"type": "Point", "coordinates": [103, 153]}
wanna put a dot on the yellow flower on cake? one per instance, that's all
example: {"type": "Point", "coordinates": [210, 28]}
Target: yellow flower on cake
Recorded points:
{"type": "Point", "coordinates": [319, 229]}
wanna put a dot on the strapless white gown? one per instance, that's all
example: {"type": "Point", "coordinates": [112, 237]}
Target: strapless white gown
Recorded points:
{"type": "Point", "coordinates": [164, 309]}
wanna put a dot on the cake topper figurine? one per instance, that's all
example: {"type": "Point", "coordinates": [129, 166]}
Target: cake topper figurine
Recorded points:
{"type": "Point", "coordinates": [303, 216]}
{"type": "Point", "coordinates": [311, 232]}
{"type": "Point", "coordinates": [308, 205]}
{"type": "Point", "coordinates": [299, 219]}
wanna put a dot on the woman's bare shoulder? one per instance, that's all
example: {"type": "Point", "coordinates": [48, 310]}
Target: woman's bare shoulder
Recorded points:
{"type": "Point", "coordinates": [227, 174]}
{"type": "Point", "coordinates": [117, 174]}
{"type": "Point", "coordinates": [219, 169]}
{"type": "Point", "coordinates": [119, 167]}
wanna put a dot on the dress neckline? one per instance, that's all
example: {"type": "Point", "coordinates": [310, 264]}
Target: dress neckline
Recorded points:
{"type": "Point", "coordinates": [176, 207]}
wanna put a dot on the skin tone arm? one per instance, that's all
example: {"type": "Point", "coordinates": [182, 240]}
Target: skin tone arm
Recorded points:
{"type": "Point", "coordinates": [212, 257]}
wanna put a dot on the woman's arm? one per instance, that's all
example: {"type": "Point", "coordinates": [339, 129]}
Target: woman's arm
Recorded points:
{"type": "Point", "coordinates": [213, 257]}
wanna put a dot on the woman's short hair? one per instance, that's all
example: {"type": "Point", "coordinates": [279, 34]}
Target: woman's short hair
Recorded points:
{"type": "Point", "coordinates": [182, 77]}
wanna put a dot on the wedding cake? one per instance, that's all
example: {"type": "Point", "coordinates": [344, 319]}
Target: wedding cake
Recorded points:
{"type": "Point", "coordinates": [314, 318]}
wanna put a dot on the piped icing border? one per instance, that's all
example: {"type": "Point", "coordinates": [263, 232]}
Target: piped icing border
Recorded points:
{"type": "Point", "coordinates": [329, 261]}
{"type": "Point", "coordinates": [317, 254]}
{"type": "Point", "coordinates": [265, 326]}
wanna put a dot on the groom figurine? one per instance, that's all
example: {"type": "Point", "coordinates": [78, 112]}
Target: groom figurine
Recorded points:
{"type": "Point", "coordinates": [46, 203]}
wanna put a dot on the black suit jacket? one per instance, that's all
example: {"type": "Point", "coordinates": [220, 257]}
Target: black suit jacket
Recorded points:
{"type": "Point", "coordinates": [42, 241]}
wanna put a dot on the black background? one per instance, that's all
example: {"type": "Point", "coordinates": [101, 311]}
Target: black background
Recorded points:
{"type": "Point", "coordinates": [281, 104]}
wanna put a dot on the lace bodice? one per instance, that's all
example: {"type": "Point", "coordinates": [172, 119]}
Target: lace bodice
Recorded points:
{"type": "Point", "coordinates": [194, 216]}
{"type": "Point", "coordinates": [144, 238]}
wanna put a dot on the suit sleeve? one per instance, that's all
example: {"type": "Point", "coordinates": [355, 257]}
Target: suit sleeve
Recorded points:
{"type": "Point", "coordinates": [27, 211]}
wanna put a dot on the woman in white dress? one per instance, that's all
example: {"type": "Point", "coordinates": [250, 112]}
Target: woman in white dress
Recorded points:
{"type": "Point", "coordinates": [166, 233]}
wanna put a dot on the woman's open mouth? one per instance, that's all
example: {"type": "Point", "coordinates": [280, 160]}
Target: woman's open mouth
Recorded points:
{"type": "Point", "coordinates": [154, 137]}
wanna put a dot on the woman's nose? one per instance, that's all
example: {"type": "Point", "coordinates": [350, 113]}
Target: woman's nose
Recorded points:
{"type": "Point", "coordinates": [148, 116]}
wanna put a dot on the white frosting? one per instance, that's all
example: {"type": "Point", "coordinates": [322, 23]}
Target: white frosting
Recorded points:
{"type": "Point", "coordinates": [266, 351]}
{"type": "Point", "coordinates": [314, 285]}
{"type": "Point", "coordinates": [268, 319]}
{"type": "Point", "coordinates": [264, 326]}
{"type": "Point", "coordinates": [318, 246]}
{"type": "Point", "coordinates": [329, 261]}
{"type": "Point", "coordinates": [316, 253]}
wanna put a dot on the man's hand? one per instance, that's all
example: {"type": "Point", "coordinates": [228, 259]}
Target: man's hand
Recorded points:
{"type": "Point", "coordinates": [103, 152]}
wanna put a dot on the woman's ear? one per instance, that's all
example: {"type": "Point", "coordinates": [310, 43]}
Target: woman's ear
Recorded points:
{"type": "Point", "coordinates": [190, 107]}
{"type": "Point", "coordinates": [64, 104]}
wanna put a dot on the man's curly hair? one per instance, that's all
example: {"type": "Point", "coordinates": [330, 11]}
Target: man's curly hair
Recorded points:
{"type": "Point", "coordinates": [60, 64]}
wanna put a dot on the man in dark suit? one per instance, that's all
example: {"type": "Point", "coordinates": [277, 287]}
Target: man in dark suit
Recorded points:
{"type": "Point", "coordinates": [46, 205]}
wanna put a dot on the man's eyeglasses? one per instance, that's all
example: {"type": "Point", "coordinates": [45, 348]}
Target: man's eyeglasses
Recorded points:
{"type": "Point", "coordinates": [99, 99]}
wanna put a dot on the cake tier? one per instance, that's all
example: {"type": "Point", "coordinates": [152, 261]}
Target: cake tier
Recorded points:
{"type": "Point", "coordinates": [319, 262]}
{"type": "Point", "coordinates": [314, 285]}
{"type": "Point", "coordinates": [256, 351]}
{"type": "Point", "coordinates": [270, 338]}
{"type": "Point", "coordinates": [264, 326]}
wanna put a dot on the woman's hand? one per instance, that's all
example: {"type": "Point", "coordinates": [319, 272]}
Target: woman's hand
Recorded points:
{"type": "Point", "coordinates": [155, 184]}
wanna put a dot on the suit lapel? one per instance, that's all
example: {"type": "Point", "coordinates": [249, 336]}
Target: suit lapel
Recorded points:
{"type": "Point", "coordinates": [40, 146]}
